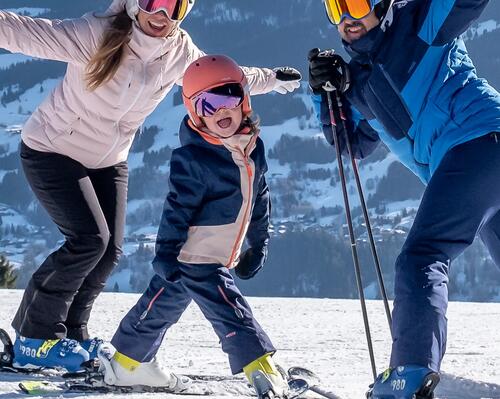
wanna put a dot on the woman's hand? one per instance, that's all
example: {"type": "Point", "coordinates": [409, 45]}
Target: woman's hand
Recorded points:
{"type": "Point", "coordinates": [287, 79]}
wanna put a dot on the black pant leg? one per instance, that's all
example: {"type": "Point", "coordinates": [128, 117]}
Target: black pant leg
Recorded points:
{"type": "Point", "coordinates": [110, 185]}
{"type": "Point", "coordinates": [65, 190]}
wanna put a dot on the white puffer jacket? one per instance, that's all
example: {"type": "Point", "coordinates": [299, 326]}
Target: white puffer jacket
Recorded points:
{"type": "Point", "coordinates": [96, 128]}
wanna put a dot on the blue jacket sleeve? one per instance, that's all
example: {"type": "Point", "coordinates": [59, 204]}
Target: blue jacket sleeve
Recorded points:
{"type": "Point", "coordinates": [183, 201]}
{"type": "Point", "coordinates": [258, 230]}
{"type": "Point", "coordinates": [445, 20]}
{"type": "Point", "coordinates": [364, 140]}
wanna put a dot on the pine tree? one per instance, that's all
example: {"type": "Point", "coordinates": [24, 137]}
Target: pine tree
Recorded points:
{"type": "Point", "coordinates": [7, 275]}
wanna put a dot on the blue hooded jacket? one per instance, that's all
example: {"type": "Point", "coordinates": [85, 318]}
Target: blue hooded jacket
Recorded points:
{"type": "Point", "coordinates": [415, 87]}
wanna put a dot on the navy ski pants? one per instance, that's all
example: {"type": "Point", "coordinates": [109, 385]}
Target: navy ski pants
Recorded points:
{"type": "Point", "coordinates": [212, 287]}
{"type": "Point", "coordinates": [461, 201]}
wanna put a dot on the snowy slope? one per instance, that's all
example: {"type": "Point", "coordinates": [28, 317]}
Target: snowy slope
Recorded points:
{"type": "Point", "coordinates": [324, 335]}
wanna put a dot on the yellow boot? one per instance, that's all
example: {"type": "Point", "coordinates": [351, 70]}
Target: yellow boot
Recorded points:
{"type": "Point", "coordinates": [265, 377]}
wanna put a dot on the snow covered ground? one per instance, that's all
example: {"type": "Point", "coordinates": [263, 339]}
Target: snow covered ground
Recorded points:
{"type": "Point", "coordinates": [322, 334]}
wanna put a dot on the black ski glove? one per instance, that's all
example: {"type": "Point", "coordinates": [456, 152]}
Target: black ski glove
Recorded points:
{"type": "Point", "coordinates": [327, 66]}
{"type": "Point", "coordinates": [251, 261]}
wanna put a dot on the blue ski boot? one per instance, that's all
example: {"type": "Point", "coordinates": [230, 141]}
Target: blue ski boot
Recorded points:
{"type": "Point", "coordinates": [31, 353]}
{"type": "Point", "coordinates": [92, 346]}
{"type": "Point", "coordinates": [405, 382]}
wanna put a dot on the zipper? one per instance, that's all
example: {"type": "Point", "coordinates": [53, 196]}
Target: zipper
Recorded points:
{"type": "Point", "coordinates": [150, 305]}
{"type": "Point", "coordinates": [247, 209]}
{"type": "Point", "coordinates": [237, 310]}
{"type": "Point", "coordinates": [117, 123]}
{"type": "Point", "coordinates": [382, 104]}
{"type": "Point", "coordinates": [393, 85]}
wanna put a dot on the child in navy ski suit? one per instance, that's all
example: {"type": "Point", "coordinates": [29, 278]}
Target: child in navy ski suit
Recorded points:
{"type": "Point", "coordinates": [218, 197]}
{"type": "Point", "coordinates": [414, 87]}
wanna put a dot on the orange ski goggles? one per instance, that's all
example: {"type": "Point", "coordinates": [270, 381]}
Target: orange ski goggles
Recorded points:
{"type": "Point", "coordinates": [337, 10]}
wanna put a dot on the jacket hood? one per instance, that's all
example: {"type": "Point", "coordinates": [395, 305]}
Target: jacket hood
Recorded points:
{"type": "Point", "coordinates": [144, 46]}
{"type": "Point", "coordinates": [116, 7]}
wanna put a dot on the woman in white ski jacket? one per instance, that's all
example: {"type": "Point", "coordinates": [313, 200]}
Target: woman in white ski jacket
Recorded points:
{"type": "Point", "coordinates": [75, 146]}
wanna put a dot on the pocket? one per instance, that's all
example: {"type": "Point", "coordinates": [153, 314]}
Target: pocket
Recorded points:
{"type": "Point", "coordinates": [387, 104]}
{"type": "Point", "coordinates": [73, 126]}
{"type": "Point", "coordinates": [233, 304]}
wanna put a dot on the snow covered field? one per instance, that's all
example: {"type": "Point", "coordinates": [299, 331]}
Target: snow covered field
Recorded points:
{"type": "Point", "coordinates": [324, 335]}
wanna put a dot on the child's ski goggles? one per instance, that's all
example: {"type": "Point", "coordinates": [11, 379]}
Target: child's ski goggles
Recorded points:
{"type": "Point", "coordinates": [337, 10]}
{"type": "Point", "coordinates": [208, 103]}
{"type": "Point", "coordinates": [176, 10]}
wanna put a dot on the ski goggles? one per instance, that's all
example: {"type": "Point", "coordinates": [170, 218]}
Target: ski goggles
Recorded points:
{"type": "Point", "coordinates": [337, 10]}
{"type": "Point", "coordinates": [208, 104]}
{"type": "Point", "coordinates": [176, 10]}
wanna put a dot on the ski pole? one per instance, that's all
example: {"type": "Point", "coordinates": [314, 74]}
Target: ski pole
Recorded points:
{"type": "Point", "coordinates": [366, 216]}
{"type": "Point", "coordinates": [329, 88]}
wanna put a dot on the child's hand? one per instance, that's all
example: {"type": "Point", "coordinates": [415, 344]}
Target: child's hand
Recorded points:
{"type": "Point", "coordinates": [251, 261]}
{"type": "Point", "coordinates": [287, 79]}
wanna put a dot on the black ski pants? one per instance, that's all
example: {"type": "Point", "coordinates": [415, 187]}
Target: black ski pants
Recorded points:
{"type": "Point", "coordinates": [88, 206]}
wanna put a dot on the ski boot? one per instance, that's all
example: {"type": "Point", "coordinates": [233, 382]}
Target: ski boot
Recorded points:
{"type": "Point", "coordinates": [92, 346]}
{"type": "Point", "coordinates": [405, 382]}
{"type": "Point", "coordinates": [7, 353]}
{"type": "Point", "coordinates": [120, 370]}
{"type": "Point", "coordinates": [32, 353]}
{"type": "Point", "coordinates": [266, 378]}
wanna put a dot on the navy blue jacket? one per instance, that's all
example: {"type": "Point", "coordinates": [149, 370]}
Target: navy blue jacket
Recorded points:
{"type": "Point", "coordinates": [211, 207]}
{"type": "Point", "coordinates": [415, 87]}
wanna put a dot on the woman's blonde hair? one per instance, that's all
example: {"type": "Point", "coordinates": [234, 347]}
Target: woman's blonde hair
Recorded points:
{"type": "Point", "coordinates": [106, 61]}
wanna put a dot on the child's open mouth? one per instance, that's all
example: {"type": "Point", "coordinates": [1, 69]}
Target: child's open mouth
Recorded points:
{"type": "Point", "coordinates": [224, 123]}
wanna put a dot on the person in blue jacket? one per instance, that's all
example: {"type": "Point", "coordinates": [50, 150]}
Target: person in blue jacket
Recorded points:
{"type": "Point", "coordinates": [415, 88]}
{"type": "Point", "coordinates": [218, 197]}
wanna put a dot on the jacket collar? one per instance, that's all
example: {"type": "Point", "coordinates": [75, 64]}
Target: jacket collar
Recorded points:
{"type": "Point", "coordinates": [242, 143]}
{"type": "Point", "coordinates": [148, 48]}
{"type": "Point", "coordinates": [366, 48]}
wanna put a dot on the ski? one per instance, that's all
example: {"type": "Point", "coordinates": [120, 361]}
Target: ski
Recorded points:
{"type": "Point", "coordinates": [37, 388]}
{"type": "Point", "coordinates": [198, 387]}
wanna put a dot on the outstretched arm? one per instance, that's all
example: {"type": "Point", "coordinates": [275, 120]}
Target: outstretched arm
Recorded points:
{"type": "Point", "coordinates": [60, 40]}
{"type": "Point", "coordinates": [260, 80]}
{"type": "Point", "coordinates": [445, 20]}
